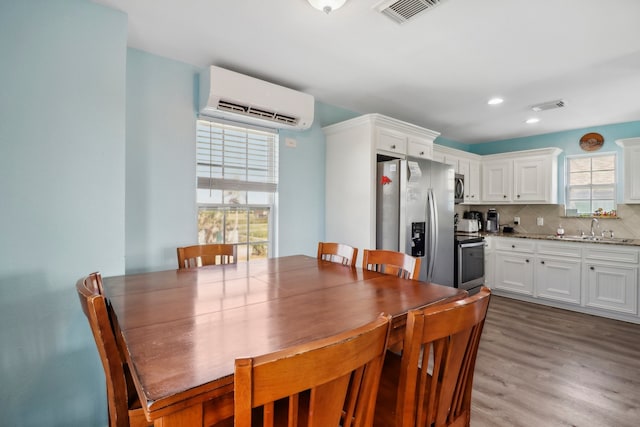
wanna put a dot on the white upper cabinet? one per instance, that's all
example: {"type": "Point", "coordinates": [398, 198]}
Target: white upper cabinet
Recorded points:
{"type": "Point", "coordinates": [391, 141]}
{"type": "Point", "coordinates": [497, 180]}
{"type": "Point", "coordinates": [529, 176]}
{"type": "Point", "coordinates": [530, 179]}
{"type": "Point", "coordinates": [419, 147]}
{"type": "Point", "coordinates": [464, 163]}
{"type": "Point", "coordinates": [630, 169]}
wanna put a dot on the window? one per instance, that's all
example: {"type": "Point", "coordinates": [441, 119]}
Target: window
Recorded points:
{"type": "Point", "coordinates": [591, 184]}
{"type": "Point", "coordinates": [237, 184]}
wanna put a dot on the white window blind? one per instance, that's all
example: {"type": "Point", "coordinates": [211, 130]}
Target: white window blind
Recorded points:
{"type": "Point", "coordinates": [591, 183]}
{"type": "Point", "coordinates": [236, 158]}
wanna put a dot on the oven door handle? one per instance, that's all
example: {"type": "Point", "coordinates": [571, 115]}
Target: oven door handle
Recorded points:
{"type": "Point", "coordinates": [471, 245]}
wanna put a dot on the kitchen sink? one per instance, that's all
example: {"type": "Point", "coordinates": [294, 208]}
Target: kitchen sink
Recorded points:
{"type": "Point", "coordinates": [586, 238]}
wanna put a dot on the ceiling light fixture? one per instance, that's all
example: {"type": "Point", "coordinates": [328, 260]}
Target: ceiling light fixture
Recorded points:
{"type": "Point", "coordinates": [495, 101]}
{"type": "Point", "coordinates": [327, 6]}
{"type": "Point", "coordinates": [532, 120]}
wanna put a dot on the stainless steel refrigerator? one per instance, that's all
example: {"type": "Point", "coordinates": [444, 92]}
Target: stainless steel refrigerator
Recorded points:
{"type": "Point", "coordinates": [414, 214]}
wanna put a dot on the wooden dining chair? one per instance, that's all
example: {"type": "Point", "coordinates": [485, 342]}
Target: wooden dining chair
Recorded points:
{"type": "Point", "coordinates": [123, 402]}
{"type": "Point", "coordinates": [391, 262]}
{"type": "Point", "coordinates": [338, 252]}
{"type": "Point", "coordinates": [329, 382]}
{"type": "Point", "coordinates": [200, 255]}
{"type": "Point", "coordinates": [430, 384]}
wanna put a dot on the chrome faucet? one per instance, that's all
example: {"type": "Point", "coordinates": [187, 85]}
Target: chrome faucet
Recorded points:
{"type": "Point", "coordinates": [594, 221]}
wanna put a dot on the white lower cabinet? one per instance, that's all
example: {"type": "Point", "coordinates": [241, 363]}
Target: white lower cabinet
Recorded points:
{"type": "Point", "coordinates": [558, 279]}
{"type": "Point", "coordinates": [514, 265]}
{"type": "Point", "coordinates": [611, 279]}
{"type": "Point", "coordinates": [514, 272]}
{"type": "Point", "coordinates": [600, 279]}
{"type": "Point", "coordinates": [557, 272]}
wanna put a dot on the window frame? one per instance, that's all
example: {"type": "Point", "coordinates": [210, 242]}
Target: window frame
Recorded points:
{"type": "Point", "coordinates": [591, 186]}
{"type": "Point", "coordinates": [244, 186]}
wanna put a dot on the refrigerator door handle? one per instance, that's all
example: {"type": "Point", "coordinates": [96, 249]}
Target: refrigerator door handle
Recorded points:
{"type": "Point", "coordinates": [433, 232]}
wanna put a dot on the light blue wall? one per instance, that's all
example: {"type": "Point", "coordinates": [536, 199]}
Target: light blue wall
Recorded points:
{"type": "Point", "coordinates": [160, 159]}
{"type": "Point", "coordinates": [62, 147]}
{"type": "Point", "coordinates": [302, 183]}
{"type": "Point", "coordinates": [160, 181]}
{"type": "Point", "coordinates": [568, 141]}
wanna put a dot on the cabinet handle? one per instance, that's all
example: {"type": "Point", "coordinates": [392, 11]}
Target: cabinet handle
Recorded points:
{"type": "Point", "coordinates": [592, 268]}
{"type": "Point", "coordinates": [393, 147]}
{"type": "Point", "coordinates": [527, 260]}
{"type": "Point", "coordinates": [422, 153]}
{"type": "Point", "coordinates": [541, 262]}
{"type": "Point", "coordinates": [513, 246]}
{"type": "Point", "coordinates": [504, 196]}
{"type": "Point", "coordinates": [518, 196]}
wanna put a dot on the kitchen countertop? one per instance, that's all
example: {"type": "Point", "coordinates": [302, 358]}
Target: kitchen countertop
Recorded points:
{"type": "Point", "coordinates": [622, 241]}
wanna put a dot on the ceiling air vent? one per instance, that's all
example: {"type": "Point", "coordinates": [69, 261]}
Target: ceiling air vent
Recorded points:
{"type": "Point", "coordinates": [400, 11]}
{"type": "Point", "coordinates": [549, 105]}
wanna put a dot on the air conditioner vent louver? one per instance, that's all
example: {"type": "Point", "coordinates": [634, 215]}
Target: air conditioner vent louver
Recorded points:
{"type": "Point", "coordinates": [401, 11]}
{"type": "Point", "coordinates": [549, 105]}
{"type": "Point", "coordinates": [251, 111]}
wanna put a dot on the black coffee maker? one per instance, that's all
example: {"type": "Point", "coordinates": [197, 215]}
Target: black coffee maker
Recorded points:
{"type": "Point", "coordinates": [475, 215]}
{"type": "Point", "coordinates": [493, 221]}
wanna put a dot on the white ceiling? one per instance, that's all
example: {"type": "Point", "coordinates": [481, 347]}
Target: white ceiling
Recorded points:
{"type": "Point", "coordinates": [437, 70]}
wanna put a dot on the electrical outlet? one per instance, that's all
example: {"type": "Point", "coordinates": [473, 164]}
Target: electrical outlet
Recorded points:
{"type": "Point", "coordinates": [540, 221]}
{"type": "Point", "coordinates": [516, 220]}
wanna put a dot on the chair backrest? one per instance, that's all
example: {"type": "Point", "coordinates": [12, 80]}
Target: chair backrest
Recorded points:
{"type": "Point", "coordinates": [199, 255]}
{"type": "Point", "coordinates": [338, 252]}
{"type": "Point", "coordinates": [448, 336]}
{"type": "Point", "coordinates": [95, 307]}
{"type": "Point", "coordinates": [391, 262]}
{"type": "Point", "coordinates": [329, 382]}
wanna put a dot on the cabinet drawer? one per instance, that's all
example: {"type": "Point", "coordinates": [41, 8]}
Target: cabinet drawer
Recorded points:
{"type": "Point", "coordinates": [515, 245]}
{"type": "Point", "coordinates": [559, 249]}
{"type": "Point", "coordinates": [419, 149]}
{"type": "Point", "coordinates": [610, 253]}
{"type": "Point", "coordinates": [388, 140]}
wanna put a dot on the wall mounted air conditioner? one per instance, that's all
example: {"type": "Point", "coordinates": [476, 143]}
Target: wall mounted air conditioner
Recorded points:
{"type": "Point", "coordinates": [234, 96]}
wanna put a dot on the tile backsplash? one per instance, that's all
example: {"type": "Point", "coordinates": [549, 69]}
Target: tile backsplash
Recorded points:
{"type": "Point", "coordinates": [626, 225]}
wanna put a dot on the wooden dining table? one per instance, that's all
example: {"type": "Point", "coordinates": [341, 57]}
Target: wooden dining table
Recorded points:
{"type": "Point", "coordinates": [181, 330]}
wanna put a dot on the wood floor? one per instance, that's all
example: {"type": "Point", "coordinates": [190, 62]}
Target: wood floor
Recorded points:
{"type": "Point", "coordinates": [539, 367]}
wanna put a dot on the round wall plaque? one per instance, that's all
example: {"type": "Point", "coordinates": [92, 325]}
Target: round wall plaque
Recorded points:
{"type": "Point", "coordinates": [591, 141]}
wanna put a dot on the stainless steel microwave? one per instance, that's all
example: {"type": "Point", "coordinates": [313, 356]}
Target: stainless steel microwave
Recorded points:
{"type": "Point", "coordinates": [459, 188]}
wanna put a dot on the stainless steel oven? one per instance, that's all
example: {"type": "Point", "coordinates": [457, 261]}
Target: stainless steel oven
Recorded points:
{"type": "Point", "coordinates": [469, 263]}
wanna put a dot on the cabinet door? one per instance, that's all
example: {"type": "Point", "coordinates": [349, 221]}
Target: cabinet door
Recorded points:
{"type": "Point", "coordinates": [632, 174]}
{"type": "Point", "coordinates": [451, 161]}
{"type": "Point", "coordinates": [420, 148]}
{"type": "Point", "coordinates": [497, 180]}
{"type": "Point", "coordinates": [530, 180]}
{"type": "Point", "coordinates": [391, 141]}
{"type": "Point", "coordinates": [558, 279]}
{"type": "Point", "coordinates": [514, 273]}
{"type": "Point", "coordinates": [611, 287]}
{"type": "Point", "coordinates": [472, 183]}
